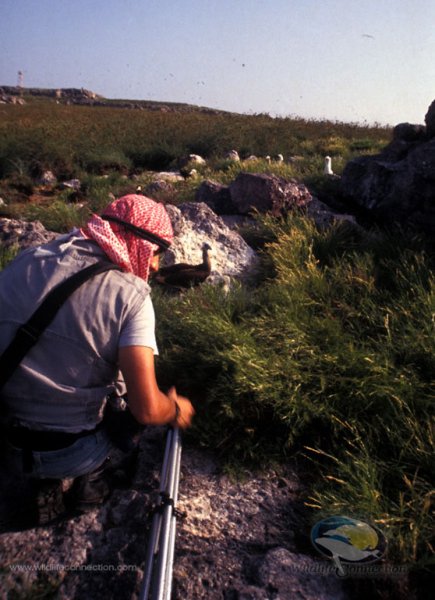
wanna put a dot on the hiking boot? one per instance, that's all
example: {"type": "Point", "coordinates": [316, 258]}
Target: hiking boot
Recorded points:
{"type": "Point", "coordinates": [90, 490]}
{"type": "Point", "coordinates": [121, 473]}
{"type": "Point", "coordinates": [49, 501]}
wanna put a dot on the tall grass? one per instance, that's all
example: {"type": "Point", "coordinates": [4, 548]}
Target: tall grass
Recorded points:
{"type": "Point", "coordinates": [328, 355]}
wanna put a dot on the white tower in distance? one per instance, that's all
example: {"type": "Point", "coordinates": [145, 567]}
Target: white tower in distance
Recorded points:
{"type": "Point", "coordinates": [20, 84]}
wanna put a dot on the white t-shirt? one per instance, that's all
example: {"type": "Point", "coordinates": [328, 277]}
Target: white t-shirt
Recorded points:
{"type": "Point", "coordinates": [140, 328]}
{"type": "Point", "coordinates": [64, 380]}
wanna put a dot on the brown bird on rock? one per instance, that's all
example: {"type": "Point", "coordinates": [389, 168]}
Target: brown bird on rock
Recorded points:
{"type": "Point", "coordinates": [185, 275]}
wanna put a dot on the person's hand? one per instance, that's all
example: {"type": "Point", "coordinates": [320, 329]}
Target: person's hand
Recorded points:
{"type": "Point", "coordinates": [148, 404]}
{"type": "Point", "coordinates": [185, 412]}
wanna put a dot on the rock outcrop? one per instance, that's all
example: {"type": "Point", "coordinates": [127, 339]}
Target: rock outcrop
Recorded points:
{"type": "Point", "coordinates": [24, 233]}
{"type": "Point", "coordinates": [258, 192]}
{"type": "Point", "coordinates": [236, 539]}
{"type": "Point", "coordinates": [217, 196]}
{"type": "Point", "coordinates": [161, 190]}
{"type": "Point", "coordinates": [398, 185]}
{"type": "Point", "coordinates": [191, 160]}
{"type": "Point", "coordinates": [195, 223]}
{"type": "Point", "coordinates": [267, 193]}
{"type": "Point", "coordinates": [429, 119]}
{"type": "Point", "coordinates": [70, 93]}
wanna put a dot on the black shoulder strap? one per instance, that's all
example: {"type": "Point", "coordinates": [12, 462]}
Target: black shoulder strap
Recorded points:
{"type": "Point", "coordinates": [27, 335]}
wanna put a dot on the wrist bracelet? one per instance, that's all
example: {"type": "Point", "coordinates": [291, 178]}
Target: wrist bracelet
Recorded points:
{"type": "Point", "coordinates": [177, 413]}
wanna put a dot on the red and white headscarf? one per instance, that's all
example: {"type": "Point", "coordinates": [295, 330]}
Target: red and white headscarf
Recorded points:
{"type": "Point", "coordinates": [122, 246]}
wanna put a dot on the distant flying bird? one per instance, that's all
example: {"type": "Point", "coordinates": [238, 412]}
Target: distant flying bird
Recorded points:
{"type": "Point", "coordinates": [367, 35]}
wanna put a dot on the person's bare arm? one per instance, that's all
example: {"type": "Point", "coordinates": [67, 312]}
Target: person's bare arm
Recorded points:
{"type": "Point", "coordinates": [148, 404]}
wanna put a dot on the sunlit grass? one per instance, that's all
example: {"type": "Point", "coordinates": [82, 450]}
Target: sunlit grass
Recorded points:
{"type": "Point", "coordinates": [324, 354]}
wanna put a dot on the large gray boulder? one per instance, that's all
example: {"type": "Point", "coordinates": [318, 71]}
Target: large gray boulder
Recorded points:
{"type": "Point", "coordinates": [261, 192]}
{"type": "Point", "coordinates": [251, 192]}
{"type": "Point", "coordinates": [194, 224]}
{"type": "Point", "coordinates": [24, 233]}
{"type": "Point", "coordinates": [398, 185]}
{"type": "Point", "coordinates": [217, 196]}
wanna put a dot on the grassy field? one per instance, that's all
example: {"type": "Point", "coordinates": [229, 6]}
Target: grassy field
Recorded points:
{"type": "Point", "coordinates": [328, 355]}
{"type": "Point", "coordinates": [105, 147]}
{"type": "Point", "coordinates": [73, 139]}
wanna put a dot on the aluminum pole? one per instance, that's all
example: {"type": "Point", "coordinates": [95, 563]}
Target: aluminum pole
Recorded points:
{"type": "Point", "coordinates": [163, 576]}
{"type": "Point", "coordinates": [157, 582]}
{"type": "Point", "coordinates": [173, 523]}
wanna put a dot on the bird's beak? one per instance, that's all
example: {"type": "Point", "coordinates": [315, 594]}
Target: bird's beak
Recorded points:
{"type": "Point", "coordinates": [155, 263]}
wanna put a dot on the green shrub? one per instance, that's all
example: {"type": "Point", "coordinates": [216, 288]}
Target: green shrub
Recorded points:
{"type": "Point", "coordinates": [157, 158]}
{"type": "Point", "coordinates": [105, 160]}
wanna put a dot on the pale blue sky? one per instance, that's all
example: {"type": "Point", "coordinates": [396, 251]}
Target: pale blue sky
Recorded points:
{"type": "Point", "coordinates": [360, 61]}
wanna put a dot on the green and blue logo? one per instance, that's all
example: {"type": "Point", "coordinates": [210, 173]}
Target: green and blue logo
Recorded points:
{"type": "Point", "coordinates": [347, 540]}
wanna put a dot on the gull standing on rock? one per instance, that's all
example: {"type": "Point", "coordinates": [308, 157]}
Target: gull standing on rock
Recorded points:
{"type": "Point", "coordinates": [327, 169]}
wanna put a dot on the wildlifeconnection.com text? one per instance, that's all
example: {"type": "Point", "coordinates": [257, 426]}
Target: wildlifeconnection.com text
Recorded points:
{"type": "Point", "coordinates": [321, 568]}
{"type": "Point", "coordinates": [24, 568]}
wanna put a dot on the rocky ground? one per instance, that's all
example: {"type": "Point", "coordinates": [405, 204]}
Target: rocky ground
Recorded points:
{"type": "Point", "coordinates": [236, 540]}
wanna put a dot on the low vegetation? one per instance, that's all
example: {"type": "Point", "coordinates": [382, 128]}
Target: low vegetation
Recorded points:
{"type": "Point", "coordinates": [327, 356]}
{"type": "Point", "coordinates": [330, 357]}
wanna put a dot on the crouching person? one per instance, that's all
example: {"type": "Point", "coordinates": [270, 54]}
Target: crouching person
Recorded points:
{"type": "Point", "coordinates": [52, 405]}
